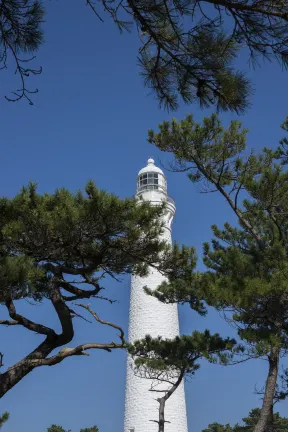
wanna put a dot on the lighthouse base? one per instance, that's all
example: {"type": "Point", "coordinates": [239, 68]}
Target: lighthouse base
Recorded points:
{"type": "Point", "coordinates": [142, 408]}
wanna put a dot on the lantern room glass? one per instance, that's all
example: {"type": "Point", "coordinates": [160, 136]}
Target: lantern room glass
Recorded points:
{"type": "Point", "coordinates": [148, 181]}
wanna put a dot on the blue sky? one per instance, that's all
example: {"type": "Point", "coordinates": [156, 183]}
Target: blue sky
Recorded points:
{"type": "Point", "coordinates": [90, 121]}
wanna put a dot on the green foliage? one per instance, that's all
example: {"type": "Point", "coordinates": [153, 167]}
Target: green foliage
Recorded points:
{"type": "Point", "coordinates": [248, 265]}
{"type": "Point", "coordinates": [283, 149]}
{"type": "Point", "coordinates": [214, 81]}
{"type": "Point", "coordinates": [55, 428]}
{"type": "Point", "coordinates": [19, 276]}
{"type": "Point", "coordinates": [92, 429]}
{"type": "Point", "coordinates": [21, 34]}
{"type": "Point", "coordinates": [94, 231]}
{"type": "Point", "coordinates": [166, 362]}
{"type": "Point", "coordinates": [202, 145]}
{"type": "Point", "coordinates": [60, 248]}
{"type": "Point", "coordinates": [251, 421]}
{"type": "Point", "coordinates": [3, 418]}
{"type": "Point", "coordinates": [279, 424]}
{"type": "Point", "coordinates": [180, 275]}
{"type": "Point", "coordinates": [187, 50]}
{"type": "Point", "coordinates": [217, 427]}
{"type": "Point", "coordinates": [182, 352]}
{"type": "Point", "coordinates": [249, 272]}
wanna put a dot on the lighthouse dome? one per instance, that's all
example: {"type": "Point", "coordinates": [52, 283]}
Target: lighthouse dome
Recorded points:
{"type": "Point", "coordinates": [151, 177]}
{"type": "Point", "coordinates": [150, 167]}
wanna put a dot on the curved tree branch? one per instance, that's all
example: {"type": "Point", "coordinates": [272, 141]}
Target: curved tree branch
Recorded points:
{"type": "Point", "coordinates": [25, 322]}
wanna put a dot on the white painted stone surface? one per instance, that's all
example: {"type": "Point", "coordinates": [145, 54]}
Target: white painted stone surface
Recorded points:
{"type": "Point", "coordinates": [149, 316]}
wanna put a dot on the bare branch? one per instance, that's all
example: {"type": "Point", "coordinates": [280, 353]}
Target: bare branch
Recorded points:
{"type": "Point", "coordinates": [78, 292]}
{"type": "Point", "coordinates": [79, 350]}
{"type": "Point", "coordinates": [115, 326]}
{"type": "Point", "coordinates": [9, 322]}
{"type": "Point", "coordinates": [75, 314]}
{"type": "Point", "coordinates": [92, 6]}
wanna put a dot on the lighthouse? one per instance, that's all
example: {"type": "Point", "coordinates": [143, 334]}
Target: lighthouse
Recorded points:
{"type": "Point", "coordinates": [148, 316]}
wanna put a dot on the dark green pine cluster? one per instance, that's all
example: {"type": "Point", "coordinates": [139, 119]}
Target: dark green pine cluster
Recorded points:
{"type": "Point", "coordinates": [181, 353]}
{"type": "Point", "coordinates": [247, 265]}
{"type": "Point", "coordinates": [73, 233]}
{"type": "Point", "coordinates": [166, 362]}
{"type": "Point", "coordinates": [3, 418]}
{"type": "Point", "coordinates": [55, 428]}
{"type": "Point", "coordinates": [188, 50]}
{"type": "Point", "coordinates": [279, 424]}
{"type": "Point", "coordinates": [60, 247]}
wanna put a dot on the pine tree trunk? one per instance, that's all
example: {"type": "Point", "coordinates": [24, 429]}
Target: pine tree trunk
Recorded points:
{"type": "Point", "coordinates": [161, 422]}
{"type": "Point", "coordinates": [266, 415]}
{"type": "Point", "coordinates": [17, 372]}
{"type": "Point", "coordinates": [10, 378]}
{"type": "Point", "coordinates": [22, 368]}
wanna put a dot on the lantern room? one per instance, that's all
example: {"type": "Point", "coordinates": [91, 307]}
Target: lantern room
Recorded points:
{"type": "Point", "coordinates": [151, 178]}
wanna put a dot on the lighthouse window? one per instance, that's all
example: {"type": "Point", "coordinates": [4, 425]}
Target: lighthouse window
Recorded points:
{"type": "Point", "coordinates": [148, 181]}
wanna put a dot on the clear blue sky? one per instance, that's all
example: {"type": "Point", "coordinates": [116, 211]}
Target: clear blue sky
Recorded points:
{"type": "Point", "coordinates": [90, 121]}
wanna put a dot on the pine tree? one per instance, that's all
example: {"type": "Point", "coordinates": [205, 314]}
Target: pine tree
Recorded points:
{"type": "Point", "coordinates": [3, 418]}
{"type": "Point", "coordinates": [217, 427]}
{"type": "Point", "coordinates": [92, 429]}
{"type": "Point", "coordinates": [247, 266]}
{"type": "Point", "coordinates": [166, 362]}
{"type": "Point", "coordinates": [279, 424]}
{"type": "Point", "coordinates": [55, 428]}
{"type": "Point", "coordinates": [59, 248]}
{"type": "Point", "coordinates": [187, 50]}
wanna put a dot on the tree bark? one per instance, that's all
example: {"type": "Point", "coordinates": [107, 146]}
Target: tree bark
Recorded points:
{"type": "Point", "coordinates": [161, 421]}
{"type": "Point", "coordinates": [266, 415]}
{"type": "Point", "coordinates": [18, 371]}
{"type": "Point", "coordinates": [39, 357]}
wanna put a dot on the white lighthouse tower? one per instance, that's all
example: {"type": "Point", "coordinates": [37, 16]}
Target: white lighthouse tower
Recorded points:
{"type": "Point", "coordinates": [149, 316]}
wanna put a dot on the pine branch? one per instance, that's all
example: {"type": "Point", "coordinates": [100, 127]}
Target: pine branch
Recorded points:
{"type": "Point", "coordinates": [28, 324]}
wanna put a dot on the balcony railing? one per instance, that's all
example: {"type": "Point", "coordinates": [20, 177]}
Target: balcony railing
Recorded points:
{"type": "Point", "coordinates": [150, 187]}
{"type": "Point", "coordinates": [170, 200]}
